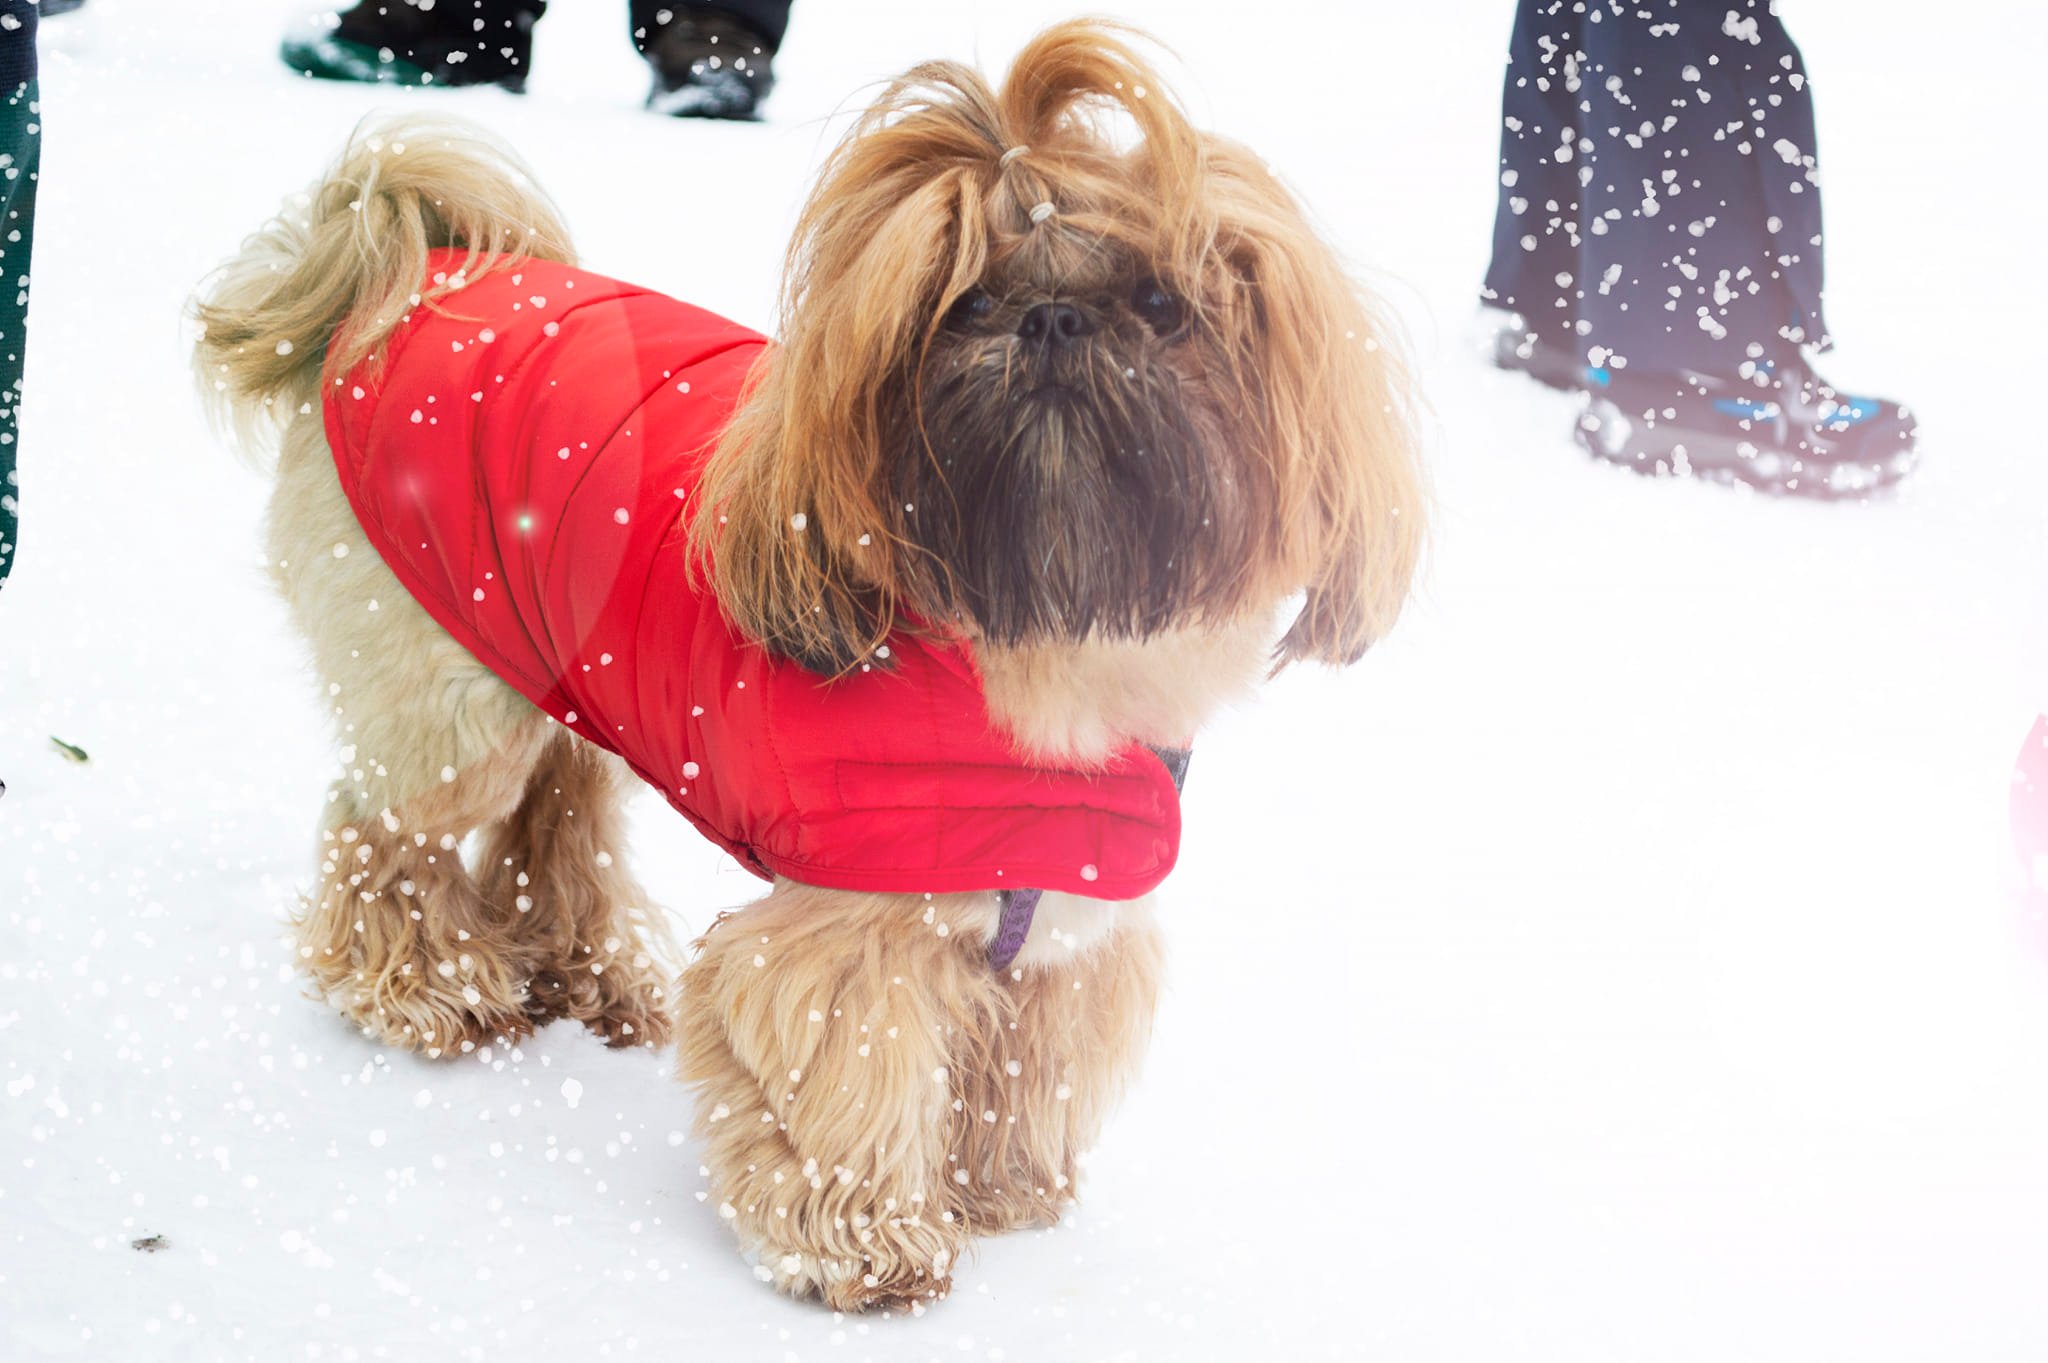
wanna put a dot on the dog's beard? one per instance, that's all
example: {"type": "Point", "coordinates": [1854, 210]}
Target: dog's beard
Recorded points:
{"type": "Point", "coordinates": [1073, 492]}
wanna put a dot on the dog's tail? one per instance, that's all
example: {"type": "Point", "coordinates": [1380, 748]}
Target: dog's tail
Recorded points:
{"type": "Point", "coordinates": [325, 281]}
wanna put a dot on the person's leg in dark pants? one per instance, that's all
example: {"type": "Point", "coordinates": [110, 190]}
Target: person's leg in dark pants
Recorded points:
{"type": "Point", "coordinates": [1661, 241]}
{"type": "Point", "coordinates": [1700, 280]}
{"type": "Point", "coordinates": [1536, 222]}
{"type": "Point", "coordinates": [1701, 246]}
{"type": "Point", "coordinates": [21, 136]}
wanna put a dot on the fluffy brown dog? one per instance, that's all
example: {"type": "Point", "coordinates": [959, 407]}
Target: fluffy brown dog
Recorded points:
{"type": "Point", "coordinates": [1138, 406]}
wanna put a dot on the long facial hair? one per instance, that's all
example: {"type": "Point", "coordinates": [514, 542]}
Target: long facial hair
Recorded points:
{"type": "Point", "coordinates": [1055, 364]}
{"type": "Point", "coordinates": [1062, 484]}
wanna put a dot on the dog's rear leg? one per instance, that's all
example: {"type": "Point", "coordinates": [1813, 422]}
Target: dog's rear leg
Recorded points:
{"type": "Point", "coordinates": [819, 1028]}
{"type": "Point", "coordinates": [602, 953]}
{"type": "Point", "coordinates": [399, 936]}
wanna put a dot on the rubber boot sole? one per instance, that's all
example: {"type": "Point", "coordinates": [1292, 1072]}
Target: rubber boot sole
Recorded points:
{"type": "Point", "coordinates": [1656, 450]}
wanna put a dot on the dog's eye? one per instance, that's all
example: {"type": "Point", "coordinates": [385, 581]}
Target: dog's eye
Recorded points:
{"type": "Point", "coordinates": [1157, 307]}
{"type": "Point", "coordinates": [969, 308]}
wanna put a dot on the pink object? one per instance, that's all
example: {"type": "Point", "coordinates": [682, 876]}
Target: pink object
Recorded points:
{"type": "Point", "coordinates": [2030, 806]}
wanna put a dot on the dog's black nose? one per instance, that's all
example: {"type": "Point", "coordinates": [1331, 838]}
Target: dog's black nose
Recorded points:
{"type": "Point", "coordinates": [1055, 324]}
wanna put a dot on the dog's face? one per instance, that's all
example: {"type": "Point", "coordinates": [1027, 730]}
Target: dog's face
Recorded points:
{"type": "Point", "coordinates": [1054, 364]}
{"type": "Point", "coordinates": [1067, 450]}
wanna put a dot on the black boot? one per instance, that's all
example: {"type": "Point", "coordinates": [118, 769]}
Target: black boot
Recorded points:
{"type": "Point", "coordinates": [422, 42]}
{"type": "Point", "coordinates": [1775, 425]}
{"type": "Point", "coordinates": [707, 64]}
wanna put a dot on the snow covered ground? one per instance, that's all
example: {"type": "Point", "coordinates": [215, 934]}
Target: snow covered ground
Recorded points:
{"type": "Point", "coordinates": [1623, 964]}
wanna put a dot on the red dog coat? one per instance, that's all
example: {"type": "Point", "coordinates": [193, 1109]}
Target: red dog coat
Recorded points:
{"type": "Point", "coordinates": [525, 458]}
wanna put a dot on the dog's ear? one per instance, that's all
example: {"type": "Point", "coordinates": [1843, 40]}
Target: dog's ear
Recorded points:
{"type": "Point", "coordinates": [1321, 376]}
{"type": "Point", "coordinates": [796, 521]}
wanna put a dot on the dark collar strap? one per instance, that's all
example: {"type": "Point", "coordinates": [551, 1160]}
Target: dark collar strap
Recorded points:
{"type": "Point", "coordinates": [1016, 908]}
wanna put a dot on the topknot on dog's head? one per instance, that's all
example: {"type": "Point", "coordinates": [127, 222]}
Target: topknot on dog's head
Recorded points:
{"type": "Point", "coordinates": [1082, 142]}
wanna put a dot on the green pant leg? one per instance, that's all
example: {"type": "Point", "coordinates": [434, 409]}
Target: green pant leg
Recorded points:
{"type": "Point", "coordinates": [21, 138]}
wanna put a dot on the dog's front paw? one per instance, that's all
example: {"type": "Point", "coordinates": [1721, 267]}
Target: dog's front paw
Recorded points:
{"type": "Point", "coordinates": [901, 1262]}
{"type": "Point", "coordinates": [858, 1241]}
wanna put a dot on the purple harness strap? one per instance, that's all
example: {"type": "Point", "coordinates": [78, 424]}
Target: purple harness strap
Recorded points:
{"type": "Point", "coordinates": [1016, 908]}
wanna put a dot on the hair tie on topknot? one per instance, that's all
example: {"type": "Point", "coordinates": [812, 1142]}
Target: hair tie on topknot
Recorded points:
{"type": "Point", "coordinates": [1003, 162]}
{"type": "Point", "coordinates": [1040, 212]}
